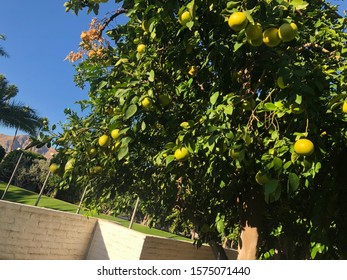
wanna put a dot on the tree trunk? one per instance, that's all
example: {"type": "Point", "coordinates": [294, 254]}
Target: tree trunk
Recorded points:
{"type": "Point", "coordinates": [252, 209]}
{"type": "Point", "coordinates": [218, 250]}
{"type": "Point", "coordinates": [14, 138]}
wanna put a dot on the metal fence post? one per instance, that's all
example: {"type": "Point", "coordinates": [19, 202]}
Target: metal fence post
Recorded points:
{"type": "Point", "coordinates": [43, 186]}
{"type": "Point", "coordinates": [14, 171]}
{"type": "Point", "coordinates": [134, 212]}
{"type": "Point", "coordinates": [82, 198]}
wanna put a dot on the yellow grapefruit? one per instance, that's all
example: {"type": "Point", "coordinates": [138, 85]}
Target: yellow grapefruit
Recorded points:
{"type": "Point", "coordinates": [141, 48]}
{"type": "Point", "coordinates": [54, 168]}
{"type": "Point", "coordinates": [344, 107]}
{"type": "Point", "coordinates": [181, 154]}
{"type": "Point", "coordinates": [184, 18]}
{"type": "Point", "coordinates": [146, 103]}
{"type": "Point", "coordinates": [303, 147]}
{"type": "Point", "coordinates": [104, 140]}
{"type": "Point", "coordinates": [237, 21]}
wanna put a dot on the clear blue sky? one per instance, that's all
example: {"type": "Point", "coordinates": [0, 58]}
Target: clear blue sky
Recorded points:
{"type": "Point", "coordinates": [39, 36]}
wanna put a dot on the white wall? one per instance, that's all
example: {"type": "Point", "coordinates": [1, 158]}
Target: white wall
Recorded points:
{"type": "Point", "coordinates": [28, 232]}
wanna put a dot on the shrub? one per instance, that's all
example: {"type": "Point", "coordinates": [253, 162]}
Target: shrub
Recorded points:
{"type": "Point", "coordinates": [32, 177]}
{"type": "Point", "coordinates": [9, 162]}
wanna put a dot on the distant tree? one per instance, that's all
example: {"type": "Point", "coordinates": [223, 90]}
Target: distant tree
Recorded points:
{"type": "Point", "coordinates": [33, 176]}
{"type": "Point", "coordinates": [2, 152]}
{"type": "Point", "coordinates": [13, 113]}
{"type": "Point", "coordinates": [2, 51]}
{"type": "Point", "coordinates": [8, 164]}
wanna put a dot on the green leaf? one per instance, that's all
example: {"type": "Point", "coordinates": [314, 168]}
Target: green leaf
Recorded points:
{"type": "Point", "coordinates": [228, 110]}
{"type": "Point", "coordinates": [190, 24]}
{"type": "Point", "coordinates": [271, 186]}
{"type": "Point", "coordinates": [298, 99]}
{"type": "Point", "coordinates": [169, 159]}
{"type": "Point", "coordinates": [214, 97]}
{"type": "Point", "coordinates": [143, 126]}
{"type": "Point", "coordinates": [287, 164]}
{"type": "Point", "coordinates": [151, 76]}
{"type": "Point", "coordinates": [237, 46]}
{"type": "Point", "coordinates": [130, 111]}
{"type": "Point", "coordinates": [277, 163]}
{"type": "Point", "coordinates": [299, 4]}
{"type": "Point", "coordinates": [123, 151]}
{"type": "Point", "coordinates": [220, 226]}
{"type": "Point", "coordinates": [126, 140]}
{"type": "Point", "coordinates": [294, 181]}
{"type": "Point", "coordinates": [270, 106]}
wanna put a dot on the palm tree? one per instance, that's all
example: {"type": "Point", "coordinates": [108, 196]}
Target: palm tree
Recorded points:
{"type": "Point", "coordinates": [14, 114]}
{"type": "Point", "coordinates": [2, 51]}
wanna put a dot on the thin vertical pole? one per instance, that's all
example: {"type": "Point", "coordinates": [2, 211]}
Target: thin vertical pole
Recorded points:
{"type": "Point", "coordinates": [82, 198]}
{"type": "Point", "coordinates": [43, 186]}
{"type": "Point", "coordinates": [14, 171]}
{"type": "Point", "coordinates": [134, 212]}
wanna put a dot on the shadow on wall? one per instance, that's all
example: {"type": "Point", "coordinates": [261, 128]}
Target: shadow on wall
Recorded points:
{"type": "Point", "coordinates": [114, 242]}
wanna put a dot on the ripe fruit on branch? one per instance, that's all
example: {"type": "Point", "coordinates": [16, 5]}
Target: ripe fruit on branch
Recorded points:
{"type": "Point", "coordinates": [115, 133]}
{"type": "Point", "coordinates": [181, 154]}
{"type": "Point", "coordinates": [141, 48]}
{"type": "Point", "coordinates": [287, 31]}
{"type": "Point", "coordinates": [104, 141]}
{"type": "Point", "coordinates": [237, 21]}
{"type": "Point", "coordinates": [146, 103]}
{"type": "Point", "coordinates": [344, 107]}
{"type": "Point", "coordinates": [303, 147]}
{"type": "Point", "coordinates": [270, 37]}
{"type": "Point", "coordinates": [54, 168]}
{"type": "Point", "coordinates": [184, 18]}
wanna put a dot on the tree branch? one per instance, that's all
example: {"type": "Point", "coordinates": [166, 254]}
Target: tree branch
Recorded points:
{"type": "Point", "coordinates": [111, 18]}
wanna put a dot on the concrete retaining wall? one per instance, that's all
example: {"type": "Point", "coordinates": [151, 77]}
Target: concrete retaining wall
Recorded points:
{"type": "Point", "coordinates": [28, 232]}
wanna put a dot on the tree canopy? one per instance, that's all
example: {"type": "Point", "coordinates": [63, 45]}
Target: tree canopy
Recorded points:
{"type": "Point", "coordinates": [222, 116]}
{"type": "Point", "coordinates": [14, 114]}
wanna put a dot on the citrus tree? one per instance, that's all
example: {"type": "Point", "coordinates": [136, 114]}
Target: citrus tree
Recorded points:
{"type": "Point", "coordinates": [226, 117]}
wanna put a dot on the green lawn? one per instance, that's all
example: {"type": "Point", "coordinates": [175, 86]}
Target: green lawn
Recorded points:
{"type": "Point", "coordinates": [24, 196]}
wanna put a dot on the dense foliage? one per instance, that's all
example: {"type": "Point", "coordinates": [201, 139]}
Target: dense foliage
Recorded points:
{"type": "Point", "coordinates": [205, 113]}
